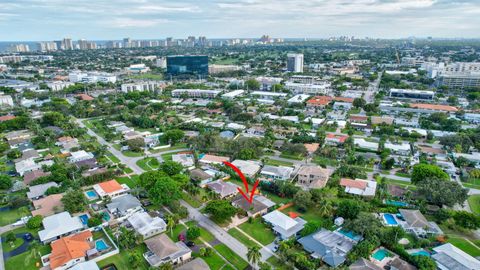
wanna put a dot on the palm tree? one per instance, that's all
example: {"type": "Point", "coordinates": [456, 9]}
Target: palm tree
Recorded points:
{"type": "Point", "coordinates": [171, 223]}
{"type": "Point", "coordinates": [254, 255]}
{"type": "Point", "coordinates": [166, 266]}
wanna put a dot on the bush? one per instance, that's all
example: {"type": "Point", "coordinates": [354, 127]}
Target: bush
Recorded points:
{"type": "Point", "coordinates": [94, 221]}
{"type": "Point", "coordinates": [35, 222]}
{"type": "Point", "coordinates": [193, 232]}
{"type": "Point", "coordinates": [10, 237]}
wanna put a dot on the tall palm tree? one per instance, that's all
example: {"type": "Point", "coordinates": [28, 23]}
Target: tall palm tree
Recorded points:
{"type": "Point", "coordinates": [171, 223]}
{"type": "Point", "coordinates": [254, 255]}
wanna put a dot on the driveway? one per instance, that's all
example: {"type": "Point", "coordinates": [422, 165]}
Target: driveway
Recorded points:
{"type": "Point", "coordinates": [19, 250]}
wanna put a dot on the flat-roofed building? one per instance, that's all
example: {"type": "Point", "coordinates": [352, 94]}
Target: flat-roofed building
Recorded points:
{"type": "Point", "coordinates": [412, 94]}
{"type": "Point", "coordinates": [195, 93]}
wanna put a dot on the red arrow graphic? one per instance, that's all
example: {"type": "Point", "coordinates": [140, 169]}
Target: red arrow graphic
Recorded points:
{"type": "Point", "coordinates": [245, 183]}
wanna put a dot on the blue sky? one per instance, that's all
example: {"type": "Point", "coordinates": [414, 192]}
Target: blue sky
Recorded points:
{"type": "Point", "coordinates": [149, 19]}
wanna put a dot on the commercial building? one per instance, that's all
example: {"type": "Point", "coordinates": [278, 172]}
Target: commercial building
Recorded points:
{"type": "Point", "coordinates": [412, 94]}
{"type": "Point", "coordinates": [59, 85]}
{"type": "Point", "coordinates": [195, 93]}
{"type": "Point", "coordinates": [309, 89]}
{"type": "Point", "coordinates": [91, 77]}
{"type": "Point", "coordinates": [142, 86]}
{"type": "Point", "coordinates": [215, 69]}
{"type": "Point", "coordinates": [295, 62]}
{"type": "Point", "coordinates": [188, 65]}
{"type": "Point", "coordinates": [6, 100]}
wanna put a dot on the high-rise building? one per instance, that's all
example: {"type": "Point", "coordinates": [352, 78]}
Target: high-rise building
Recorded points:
{"type": "Point", "coordinates": [67, 44]}
{"type": "Point", "coordinates": [59, 44]}
{"type": "Point", "coordinates": [47, 46]}
{"type": "Point", "coordinates": [295, 62]}
{"type": "Point", "coordinates": [18, 48]}
{"type": "Point", "coordinates": [187, 64]}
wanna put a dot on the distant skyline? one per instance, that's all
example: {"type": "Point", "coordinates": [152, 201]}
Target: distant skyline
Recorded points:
{"type": "Point", "coordinates": [36, 20]}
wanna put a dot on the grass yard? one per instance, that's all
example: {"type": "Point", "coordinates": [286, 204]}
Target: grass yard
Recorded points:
{"type": "Point", "coordinates": [275, 198]}
{"type": "Point", "coordinates": [176, 232]}
{"type": "Point", "coordinates": [131, 182]}
{"type": "Point", "coordinates": [464, 245]}
{"type": "Point", "coordinates": [191, 200]}
{"type": "Point", "coordinates": [175, 147]}
{"type": "Point", "coordinates": [231, 256]}
{"type": "Point", "coordinates": [259, 231]}
{"type": "Point", "coordinates": [290, 156]}
{"type": "Point", "coordinates": [403, 184]}
{"type": "Point", "coordinates": [113, 158]}
{"type": "Point", "coordinates": [148, 164]}
{"type": "Point", "coordinates": [472, 183]}
{"type": "Point", "coordinates": [8, 217]}
{"type": "Point", "coordinates": [474, 202]}
{"type": "Point", "coordinates": [277, 264]}
{"type": "Point", "coordinates": [121, 259]}
{"type": "Point", "coordinates": [7, 246]}
{"type": "Point", "coordinates": [401, 174]}
{"type": "Point", "coordinates": [241, 237]}
{"type": "Point", "coordinates": [27, 260]}
{"type": "Point", "coordinates": [274, 162]}
{"type": "Point", "coordinates": [215, 261]}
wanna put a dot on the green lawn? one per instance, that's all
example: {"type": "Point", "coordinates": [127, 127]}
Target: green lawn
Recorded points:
{"type": "Point", "coordinates": [401, 174]}
{"type": "Point", "coordinates": [113, 158]}
{"type": "Point", "coordinates": [175, 147]}
{"type": "Point", "coordinates": [241, 237]}
{"type": "Point", "coordinates": [6, 246]}
{"type": "Point", "coordinates": [146, 76]}
{"type": "Point", "coordinates": [275, 198]}
{"type": "Point", "coordinates": [191, 200]}
{"type": "Point", "coordinates": [290, 156]}
{"type": "Point", "coordinates": [148, 164]}
{"type": "Point", "coordinates": [176, 232]}
{"type": "Point", "coordinates": [204, 234]}
{"type": "Point", "coordinates": [464, 245]}
{"type": "Point", "coordinates": [9, 217]}
{"type": "Point", "coordinates": [474, 202]}
{"type": "Point", "coordinates": [274, 162]}
{"type": "Point", "coordinates": [277, 264]}
{"type": "Point", "coordinates": [27, 260]}
{"type": "Point", "coordinates": [121, 259]}
{"type": "Point", "coordinates": [131, 182]}
{"type": "Point", "coordinates": [259, 231]}
{"type": "Point", "coordinates": [231, 256]}
{"type": "Point", "coordinates": [474, 185]}
{"type": "Point", "coordinates": [215, 261]}
{"type": "Point", "coordinates": [403, 184]}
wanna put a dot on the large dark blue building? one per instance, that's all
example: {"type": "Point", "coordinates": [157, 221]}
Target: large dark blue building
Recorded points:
{"type": "Point", "coordinates": [196, 65]}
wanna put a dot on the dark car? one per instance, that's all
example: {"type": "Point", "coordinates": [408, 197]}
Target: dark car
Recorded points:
{"type": "Point", "coordinates": [190, 244]}
{"type": "Point", "coordinates": [28, 237]}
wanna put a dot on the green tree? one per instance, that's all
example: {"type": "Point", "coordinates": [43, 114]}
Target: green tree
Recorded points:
{"type": "Point", "coordinates": [359, 103]}
{"type": "Point", "coordinates": [193, 232]}
{"type": "Point", "coordinates": [303, 200]}
{"type": "Point", "coordinates": [441, 192]}
{"type": "Point", "coordinates": [10, 237]}
{"type": "Point", "coordinates": [254, 255]}
{"type": "Point", "coordinates": [252, 84]}
{"type": "Point", "coordinates": [173, 136]}
{"type": "Point", "coordinates": [467, 220]}
{"type": "Point", "coordinates": [165, 191]}
{"type": "Point", "coordinates": [74, 201]}
{"type": "Point", "coordinates": [35, 222]}
{"type": "Point", "coordinates": [220, 210]}
{"type": "Point", "coordinates": [171, 223]}
{"type": "Point", "coordinates": [423, 171]}
{"type": "Point", "coordinates": [5, 182]}
{"type": "Point", "coordinates": [127, 238]}
{"type": "Point", "coordinates": [148, 179]}
{"type": "Point", "coordinates": [171, 167]}
{"type": "Point", "coordinates": [134, 260]}
{"type": "Point", "coordinates": [348, 209]}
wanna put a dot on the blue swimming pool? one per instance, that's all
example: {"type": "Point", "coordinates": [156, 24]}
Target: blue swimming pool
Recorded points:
{"type": "Point", "coordinates": [350, 235]}
{"type": "Point", "coordinates": [396, 203]}
{"type": "Point", "coordinates": [100, 245]}
{"type": "Point", "coordinates": [91, 194]}
{"type": "Point", "coordinates": [390, 219]}
{"type": "Point", "coordinates": [380, 254]}
{"type": "Point", "coordinates": [84, 219]}
{"type": "Point", "coordinates": [421, 253]}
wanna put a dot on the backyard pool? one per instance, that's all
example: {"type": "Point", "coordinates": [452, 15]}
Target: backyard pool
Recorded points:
{"type": "Point", "coordinates": [100, 245]}
{"type": "Point", "coordinates": [351, 235]}
{"type": "Point", "coordinates": [390, 219]}
{"type": "Point", "coordinates": [84, 219]}
{"type": "Point", "coordinates": [380, 254]}
{"type": "Point", "coordinates": [421, 253]}
{"type": "Point", "coordinates": [91, 194]}
{"type": "Point", "coordinates": [106, 216]}
{"type": "Point", "coordinates": [396, 203]}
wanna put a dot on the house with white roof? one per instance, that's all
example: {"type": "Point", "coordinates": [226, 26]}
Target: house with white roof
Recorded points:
{"type": "Point", "coordinates": [362, 143]}
{"type": "Point", "coordinates": [276, 172]}
{"type": "Point", "coordinates": [25, 166]}
{"type": "Point", "coordinates": [359, 187]}
{"type": "Point", "coordinates": [147, 226]}
{"type": "Point", "coordinates": [448, 256]}
{"type": "Point", "coordinates": [59, 225]}
{"type": "Point", "coordinates": [413, 221]}
{"type": "Point", "coordinates": [38, 191]}
{"type": "Point", "coordinates": [402, 149]}
{"type": "Point", "coordinates": [249, 167]}
{"type": "Point", "coordinates": [283, 225]}
{"type": "Point", "coordinates": [186, 160]}
{"type": "Point", "coordinates": [79, 156]}
{"type": "Point", "coordinates": [300, 98]}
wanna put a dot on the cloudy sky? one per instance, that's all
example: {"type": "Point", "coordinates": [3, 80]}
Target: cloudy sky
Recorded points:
{"type": "Point", "coordinates": [153, 19]}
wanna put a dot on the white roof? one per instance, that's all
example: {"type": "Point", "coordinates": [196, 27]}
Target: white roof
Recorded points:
{"type": "Point", "coordinates": [398, 147]}
{"type": "Point", "coordinates": [279, 219]}
{"type": "Point", "coordinates": [144, 223]}
{"type": "Point", "coordinates": [233, 94]}
{"type": "Point", "coordinates": [298, 98]}
{"type": "Point", "coordinates": [248, 167]}
{"type": "Point", "coordinates": [88, 265]}
{"type": "Point", "coordinates": [265, 93]}
{"type": "Point", "coordinates": [59, 224]}
{"type": "Point", "coordinates": [458, 255]}
{"type": "Point", "coordinates": [365, 144]}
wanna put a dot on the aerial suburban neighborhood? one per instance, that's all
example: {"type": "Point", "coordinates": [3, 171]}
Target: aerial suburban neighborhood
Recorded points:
{"type": "Point", "coordinates": [240, 153]}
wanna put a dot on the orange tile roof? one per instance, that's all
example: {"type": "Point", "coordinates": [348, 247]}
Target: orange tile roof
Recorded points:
{"type": "Point", "coordinates": [47, 206]}
{"type": "Point", "coordinates": [343, 99]}
{"type": "Point", "coordinates": [110, 186]}
{"type": "Point", "coordinates": [435, 107]}
{"type": "Point", "coordinates": [293, 214]}
{"type": "Point", "coordinates": [319, 100]}
{"type": "Point", "coordinates": [69, 248]}
{"type": "Point", "coordinates": [339, 138]}
{"type": "Point", "coordinates": [358, 117]}
{"type": "Point", "coordinates": [311, 147]}
{"type": "Point", "coordinates": [6, 118]}
{"type": "Point", "coordinates": [347, 182]}
{"type": "Point", "coordinates": [84, 97]}
{"type": "Point", "coordinates": [214, 158]}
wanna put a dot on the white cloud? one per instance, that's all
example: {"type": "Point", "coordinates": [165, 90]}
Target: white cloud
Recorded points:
{"type": "Point", "coordinates": [134, 23]}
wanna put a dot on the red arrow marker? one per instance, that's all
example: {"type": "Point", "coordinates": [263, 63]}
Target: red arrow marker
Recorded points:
{"type": "Point", "coordinates": [245, 183]}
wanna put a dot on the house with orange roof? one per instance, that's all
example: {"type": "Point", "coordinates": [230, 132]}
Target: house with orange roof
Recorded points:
{"type": "Point", "coordinates": [4, 118]}
{"type": "Point", "coordinates": [311, 147]}
{"type": "Point", "coordinates": [84, 97]}
{"type": "Point", "coordinates": [359, 186]}
{"type": "Point", "coordinates": [334, 139]}
{"type": "Point", "coordinates": [343, 99]}
{"type": "Point", "coordinates": [48, 206]}
{"type": "Point", "coordinates": [434, 107]}
{"type": "Point", "coordinates": [319, 102]}
{"type": "Point", "coordinates": [212, 159]}
{"type": "Point", "coordinates": [110, 189]}
{"type": "Point", "coordinates": [69, 251]}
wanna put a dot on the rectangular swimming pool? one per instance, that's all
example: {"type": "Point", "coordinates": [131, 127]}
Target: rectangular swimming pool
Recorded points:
{"type": "Point", "coordinates": [84, 219]}
{"type": "Point", "coordinates": [100, 245]}
{"type": "Point", "coordinates": [380, 254]}
{"type": "Point", "coordinates": [390, 219]}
